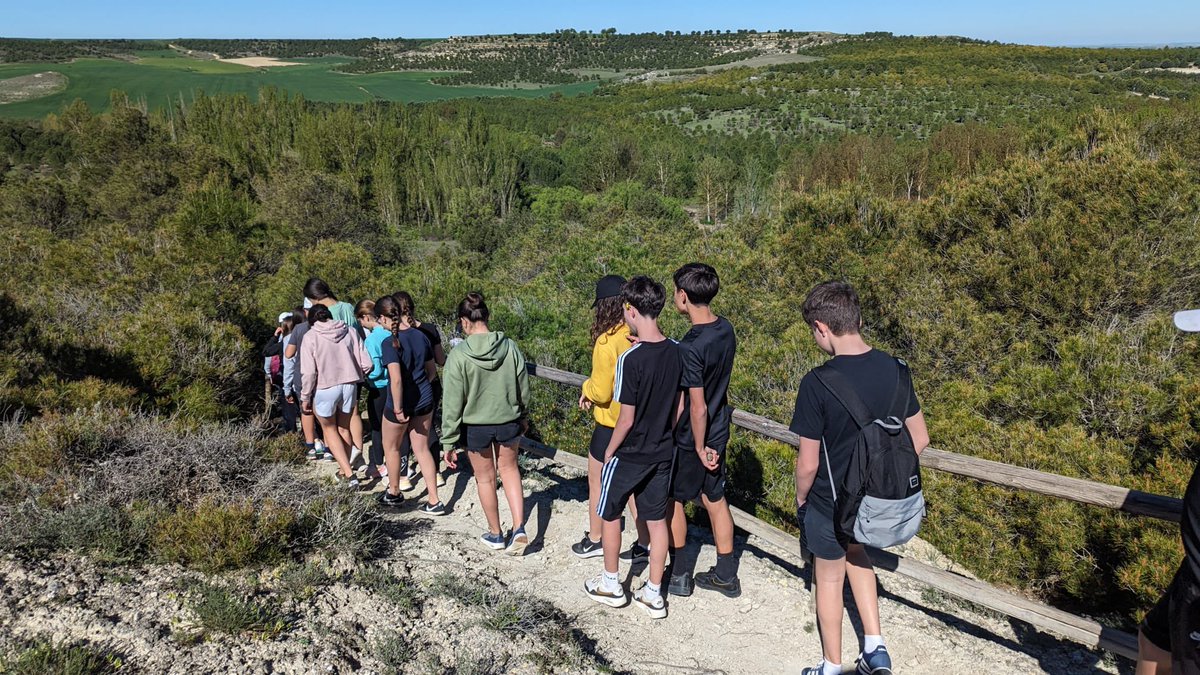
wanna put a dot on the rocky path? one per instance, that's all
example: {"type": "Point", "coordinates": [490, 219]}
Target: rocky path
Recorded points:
{"type": "Point", "coordinates": [769, 629]}
{"type": "Point", "coordinates": [339, 620]}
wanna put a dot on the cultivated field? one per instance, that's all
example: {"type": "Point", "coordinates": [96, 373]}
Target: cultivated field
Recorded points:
{"type": "Point", "coordinates": [162, 76]}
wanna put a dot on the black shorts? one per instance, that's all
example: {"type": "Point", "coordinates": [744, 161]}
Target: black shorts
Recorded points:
{"type": "Point", "coordinates": [601, 435]}
{"type": "Point", "coordinates": [817, 535]}
{"type": "Point", "coordinates": [479, 437]}
{"type": "Point", "coordinates": [390, 415]}
{"type": "Point", "coordinates": [649, 484]}
{"type": "Point", "coordinates": [1173, 624]}
{"type": "Point", "coordinates": [691, 478]}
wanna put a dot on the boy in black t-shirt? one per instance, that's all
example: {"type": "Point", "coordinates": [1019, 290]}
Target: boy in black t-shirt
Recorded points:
{"type": "Point", "coordinates": [827, 433]}
{"type": "Point", "coordinates": [640, 454]}
{"type": "Point", "coordinates": [703, 432]}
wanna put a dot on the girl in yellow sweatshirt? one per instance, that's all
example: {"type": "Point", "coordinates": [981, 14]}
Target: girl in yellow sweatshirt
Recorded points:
{"type": "Point", "coordinates": [610, 338]}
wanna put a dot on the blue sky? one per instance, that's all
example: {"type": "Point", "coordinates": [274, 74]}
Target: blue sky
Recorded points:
{"type": "Point", "coordinates": [1058, 22]}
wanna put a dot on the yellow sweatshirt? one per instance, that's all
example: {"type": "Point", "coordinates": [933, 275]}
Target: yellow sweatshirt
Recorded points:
{"type": "Point", "coordinates": [599, 387]}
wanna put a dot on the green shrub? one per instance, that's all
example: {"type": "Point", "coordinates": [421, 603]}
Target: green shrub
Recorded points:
{"type": "Point", "coordinates": [221, 610]}
{"type": "Point", "coordinates": [60, 658]}
{"type": "Point", "coordinates": [400, 593]}
{"type": "Point", "coordinates": [214, 536]}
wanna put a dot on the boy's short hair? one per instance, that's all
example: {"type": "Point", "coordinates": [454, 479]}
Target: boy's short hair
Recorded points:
{"type": "Point", "coordinates": [645, 294]}
{"type": "Point", "coordinates": [699, 281]}
{"type": "Point", "coordinates": [835, 304]}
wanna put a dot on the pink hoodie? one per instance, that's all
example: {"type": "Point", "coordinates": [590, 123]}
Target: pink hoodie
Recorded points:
{"type": "Point", "coordinates": [331, 354]}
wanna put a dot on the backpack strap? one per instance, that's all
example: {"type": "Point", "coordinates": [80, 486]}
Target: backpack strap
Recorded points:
{"type": "Point", "coordinates": [903, 387]}
{"type": "Point", "coordinates": [843, 391]}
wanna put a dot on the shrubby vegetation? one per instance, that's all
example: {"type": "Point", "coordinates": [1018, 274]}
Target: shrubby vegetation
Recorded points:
{"type": "Point", "coordinates": [20, 50]}
{"type": "Point", "coordinates": [1025, 261]}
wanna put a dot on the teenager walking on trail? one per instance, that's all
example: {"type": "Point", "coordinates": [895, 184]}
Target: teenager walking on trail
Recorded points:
{"type": "Point", "coordinates": [376, 384]}
{"type": "Point", "coordinates": [281, 376]}
{"type": "Point", "coordinates": [1169, 636]}
{"type": "Point", "coordinates": [409, 321]}
{"type": "Point", "coordinates": [485, 410]}
{"type": "Point", "coordinates": [828, 434]}
{"type": "Point", "coordinates": [291, 354]}
{"type": "Point", "coordinates": [641, 452]}
{"type": "Point", "coordinates": [333, 362]}
{"type": "Point", "coordinates": [610, 339]}
{"type": "Point", "coordinates": [317, 293]}
{"type": "Point", "coordinates": [410, 349]}
{"type": "Point", "coordinates": [395, 416]}
{"type": "Point", "coordinates": [701, 438]}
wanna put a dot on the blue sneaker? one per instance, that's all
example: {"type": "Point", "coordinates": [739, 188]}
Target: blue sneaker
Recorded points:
{"type": "Point", "coordinates": [518, 542]}
{"type": "Point", "coordinates": [818, 669]}
{"type": "Point", "coordinates": [495, 542]}
{"type": "Point", "coordinates": [876, 663]}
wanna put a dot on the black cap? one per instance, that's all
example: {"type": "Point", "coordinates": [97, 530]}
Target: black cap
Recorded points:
{"type": "Point", "coordinates": [608, 286]}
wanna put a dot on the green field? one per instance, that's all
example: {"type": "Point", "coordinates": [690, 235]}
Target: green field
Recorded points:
{"type": "Point", "coordinates": [161, 76]}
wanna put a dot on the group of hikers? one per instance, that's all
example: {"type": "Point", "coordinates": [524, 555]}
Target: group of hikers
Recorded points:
{"type": "Point", "coordinates": [662, 428]}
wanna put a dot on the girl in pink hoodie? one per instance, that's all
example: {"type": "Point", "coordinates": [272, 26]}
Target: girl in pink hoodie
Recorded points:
{"type": "Point", "coordinates": [332, 361]}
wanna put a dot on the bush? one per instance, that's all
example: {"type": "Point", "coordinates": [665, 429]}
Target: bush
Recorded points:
{"type": "Point", "coordinates": [59, 658]}
{"type": "Point", "coordinates": [220, 610]}
{"type": "Point", "coordinates": [214, 537]}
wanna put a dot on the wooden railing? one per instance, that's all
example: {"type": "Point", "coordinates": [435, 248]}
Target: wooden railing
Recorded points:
{"type": "Point", "coordinates": [1079, 629]}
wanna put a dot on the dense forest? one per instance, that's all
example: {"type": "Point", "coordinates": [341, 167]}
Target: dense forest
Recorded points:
{"type": "Point", "coordinates": [1019, 225]}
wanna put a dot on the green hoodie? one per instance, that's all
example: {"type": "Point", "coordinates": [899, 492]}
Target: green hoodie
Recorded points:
{"type": "Point", "coordinates": [483, 382]}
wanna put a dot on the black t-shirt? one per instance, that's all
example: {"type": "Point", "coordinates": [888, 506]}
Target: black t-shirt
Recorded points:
{"type": "Point", "coordinates": [1190, 525]}
{"type": "Point", "coordinates": [413, 353]}
{"type": "Point", "coordinates": [819, 416]}
{"type": "Point", "coordinates": [707, 352]}
{"type": "Point", "coordinates": [430, 331]}
{"type": "Point", "coordinates": [647, 378]}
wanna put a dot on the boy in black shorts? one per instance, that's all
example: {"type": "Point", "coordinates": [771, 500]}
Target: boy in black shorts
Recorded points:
{"type": "Point", "coordinates": [703, 432]}
{"type": "Point", "coordinates": [1169, 637]}
{"type": "Point", "coordinates": [640, 455]}
{"type": "Point", "coordinates": [827, 433]}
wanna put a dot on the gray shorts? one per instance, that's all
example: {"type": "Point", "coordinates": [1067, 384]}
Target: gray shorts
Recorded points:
{"type": "Point", "coordinates": [338, 398]}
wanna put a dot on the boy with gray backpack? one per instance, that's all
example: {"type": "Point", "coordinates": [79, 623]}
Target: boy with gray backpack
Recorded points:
{"type": "Point", "coordinates": [857, 476]}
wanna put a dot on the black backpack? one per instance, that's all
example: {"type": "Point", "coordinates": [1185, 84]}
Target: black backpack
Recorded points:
{"type": "Point", "coordinates": [880, 502]}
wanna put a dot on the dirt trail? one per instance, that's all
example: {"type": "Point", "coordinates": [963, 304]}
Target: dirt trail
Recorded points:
{"type": "Point", "coordinates": [769, 629]}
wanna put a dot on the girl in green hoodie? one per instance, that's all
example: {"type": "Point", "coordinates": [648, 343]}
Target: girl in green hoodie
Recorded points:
{"type": "Point", "coordinates": [484, 410]}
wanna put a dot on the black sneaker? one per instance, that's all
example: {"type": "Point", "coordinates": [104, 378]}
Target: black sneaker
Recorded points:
{"type": "Point", "coordinates": [636, 553]}
{"type": "Point", "coordinates": [438, 509]}
{"type": "Point", "coordinates": [681, 585]}
{"type": "Point", "coordinates": [586, 548]}
{"type": "Point", "coordinates": [388, 499]}
{"type": "Point", "coordinates": [709, 581]}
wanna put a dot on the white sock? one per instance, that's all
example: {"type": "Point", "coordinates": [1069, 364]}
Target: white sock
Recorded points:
{"type": "Point", "coordinates": [871, 643]}
{"type": "Point", "coordinates": [611, 581]}
{"type": "Point", "coordinates": [651, 591]}
{"type": "Point", "coordinates": [828, 668]}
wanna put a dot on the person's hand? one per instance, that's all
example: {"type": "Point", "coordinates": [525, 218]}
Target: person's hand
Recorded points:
{"type": "Point", "coordinates": [585, 403]}
{"type": "Point", "coordinates": [633, 339]}
{"type": "Point", "coordinates": [291, 400]}
{"type": "Point", "coordinates": [278, 331]}
{"type": "Point", "coordinates": [711, 459]}
{"type": "Point", "coordinates": [524, 425]}
{"type": "Point", "coordinates": [451, 457]}
{"type": "Point", "coordinates": [401, 418]}
{"type": "Point", "coordinates": [306, 406]}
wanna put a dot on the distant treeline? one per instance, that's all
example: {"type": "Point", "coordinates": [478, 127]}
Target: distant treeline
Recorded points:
{"type": "Point", "coordinates": [359, 48]}
{"type": "Point", "coordinates": [550, 58]}
{"type": "Point", "coordinates": [20, 50]}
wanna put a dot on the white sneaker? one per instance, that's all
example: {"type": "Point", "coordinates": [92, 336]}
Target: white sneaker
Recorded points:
{"type": "Point", "coordinates": [656, 608]}
{"type": "Point", "coordinates": [594, 588]}
{"type": "Point", "coordinates": [355, 455]}
{"type": "Point", "coordinates": [405, 484]}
